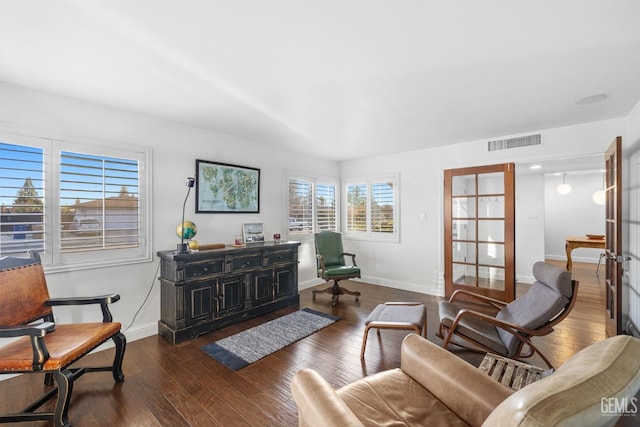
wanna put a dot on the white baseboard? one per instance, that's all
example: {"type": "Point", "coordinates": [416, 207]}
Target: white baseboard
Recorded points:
{"type": "Point", "coordinates": [437, 289]}
{"type": "Point", "coordinates": [310, 283]}
{"type": "Point", "coordinates": [590, 260]}
{"type": "Point", "coordinates": [525, 279]}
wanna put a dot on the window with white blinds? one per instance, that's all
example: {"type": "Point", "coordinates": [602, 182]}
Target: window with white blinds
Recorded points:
{"type": "Point", "coordinates": [300, 207]}
{"type": "Point", "coordinates": [22, 199]}
{"type": "Point", "coordinates": [326, 212]}
{"type": "Point", "coordinates": [311, 207]}
{"type": "Point", "coordinates": [382, 207]}
{"type": "Point", "coordinates": [371, 208]}
{"type": "Point", "coordinates": [79, 205]}
{"type": "Point", "coordinates": [357, 207]}
{"type": "Point", "coordinates": [99, 202]}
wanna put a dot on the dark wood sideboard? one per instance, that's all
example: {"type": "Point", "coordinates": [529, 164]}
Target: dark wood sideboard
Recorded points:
{"type": "Point", "coordinates": [207, 290]}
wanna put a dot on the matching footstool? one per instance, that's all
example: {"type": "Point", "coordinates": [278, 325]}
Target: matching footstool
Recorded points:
{"type": "Point", "coordinates": [411, 316]}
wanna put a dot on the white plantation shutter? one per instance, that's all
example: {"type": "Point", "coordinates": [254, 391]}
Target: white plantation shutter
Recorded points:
{"type": "Point", "coordinates": [372, 208]}
{"type": "Point", "coordinates": [300, 206]}
{"type": "Point", "coordinates": [312, 206]}
{"type": "Point", "coordinates": [382, 207]}
{"type": "Point", "coordinates": [357, 207]}
{"type": "Point", "coordinates": [21, 198]}
{"type": "Point", "coordinates": [99, 202]}
{"type": "Point", "coordinates": [326, 212]}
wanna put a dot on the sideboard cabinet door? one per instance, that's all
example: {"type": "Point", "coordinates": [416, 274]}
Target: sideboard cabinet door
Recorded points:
{"type": "Point", "coordinates": [199, 302]}
{"type": "Point", "coordinates": [230, 294]}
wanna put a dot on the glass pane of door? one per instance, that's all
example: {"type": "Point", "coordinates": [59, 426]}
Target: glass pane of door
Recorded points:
{"type": "Point", "coordinates": [480, 230]}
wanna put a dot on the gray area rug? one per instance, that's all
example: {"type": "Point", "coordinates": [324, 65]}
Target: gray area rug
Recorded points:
{"type": "Point", "coordinates": [246, 347]}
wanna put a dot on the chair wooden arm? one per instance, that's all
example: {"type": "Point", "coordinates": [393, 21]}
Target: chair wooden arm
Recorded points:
{"type": "Point", "coordinates": [39, 330]}
{"type": "Point", "coordinates": [492, 301]}
{"type": "Point", "coordinates": [321, 266]}
{"type": "Point", "coordinates": [353, 258]}
{"type": "Point", "coordinates": [36, 334]}
{"type": "Point", "coordinates": [103, 300]}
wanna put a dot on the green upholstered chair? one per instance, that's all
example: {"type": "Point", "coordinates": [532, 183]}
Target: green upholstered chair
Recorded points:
{"type": "Point", "coordinates": [331, 265]}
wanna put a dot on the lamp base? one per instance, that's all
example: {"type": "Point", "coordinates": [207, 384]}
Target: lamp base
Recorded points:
{"type": "Point", "coordinates": [183, 248]}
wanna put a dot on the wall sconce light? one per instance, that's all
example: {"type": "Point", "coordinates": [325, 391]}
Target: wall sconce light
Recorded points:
{"type": "Point", "coordinates": [600, 196]}
{"type": "Point", "coordinates": [564, 188]}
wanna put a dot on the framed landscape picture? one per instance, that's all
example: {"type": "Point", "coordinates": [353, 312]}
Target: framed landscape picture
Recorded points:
{"type": "Point", "coordinates": [225, 188]}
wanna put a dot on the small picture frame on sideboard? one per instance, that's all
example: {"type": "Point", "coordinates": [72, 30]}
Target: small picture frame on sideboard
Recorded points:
{"type": "Point", "coordinates": [253, 232]}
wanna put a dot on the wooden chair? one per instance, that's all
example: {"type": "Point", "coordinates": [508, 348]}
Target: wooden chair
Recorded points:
{"type": "Point", "coordinates": [41, 346]}
{"type": "Point", "coordinates": [331, 265]}
{"type": "Point", "coordinates": [508, 333]}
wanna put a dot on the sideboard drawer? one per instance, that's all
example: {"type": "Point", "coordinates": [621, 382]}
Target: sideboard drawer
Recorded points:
{"type": "Point", "coordinates": [278, 257]}
{"type": "Point", "coordinates": [245, 262]}
{"type": "Point", "coordinates": [198, 269]}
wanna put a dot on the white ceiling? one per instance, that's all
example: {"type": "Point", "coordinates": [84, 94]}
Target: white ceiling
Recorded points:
{"type": "Point", "coordinates": [334, 78]}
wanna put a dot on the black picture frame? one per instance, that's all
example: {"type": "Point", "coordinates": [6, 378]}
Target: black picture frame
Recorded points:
{"type": "Point", "coordinates": [226, 188]}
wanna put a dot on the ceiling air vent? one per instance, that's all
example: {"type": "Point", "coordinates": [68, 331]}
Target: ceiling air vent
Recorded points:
{"type": "Point", "coordinates": [518, 141]}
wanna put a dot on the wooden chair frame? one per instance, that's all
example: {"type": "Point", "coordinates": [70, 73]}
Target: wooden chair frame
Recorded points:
{"type": "Point", "coordinates": [523, 335]}
{"type": "Point", "coordinates": [378, 324]}
{"type": "Point", "coordinates": [49, 348]}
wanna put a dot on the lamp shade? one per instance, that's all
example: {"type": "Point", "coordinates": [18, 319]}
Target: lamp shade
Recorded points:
{"type": "Point", "coordinates": [599, 197]}
{"type": "Point", "coordinates": [564, 189]}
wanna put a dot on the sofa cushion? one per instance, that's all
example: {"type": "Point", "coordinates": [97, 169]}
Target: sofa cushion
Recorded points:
{"type": "Point", "coordinates": [392, 398]}
{"type": "Point", "coordinates": [472, 327]}
{"type": "Point", "coordinates": [574, 394]}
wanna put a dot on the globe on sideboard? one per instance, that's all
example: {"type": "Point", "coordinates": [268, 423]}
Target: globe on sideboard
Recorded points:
{"type": "Point", "coordinates": [187, 230]}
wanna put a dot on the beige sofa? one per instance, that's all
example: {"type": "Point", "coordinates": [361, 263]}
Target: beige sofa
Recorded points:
{"type": "Point", "coordinates": [435, 387]}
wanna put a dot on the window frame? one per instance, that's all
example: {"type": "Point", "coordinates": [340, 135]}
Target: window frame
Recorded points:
{"type": "Point", "coordinates": [314, 181]}
{"type": "Point", "coordinates": [53, 258]}
{"type": "Point", "coordinates": [369, 234]}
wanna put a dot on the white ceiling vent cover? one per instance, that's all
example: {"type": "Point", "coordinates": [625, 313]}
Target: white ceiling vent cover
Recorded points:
{"type": "Point", "coordinates": [516, 142]}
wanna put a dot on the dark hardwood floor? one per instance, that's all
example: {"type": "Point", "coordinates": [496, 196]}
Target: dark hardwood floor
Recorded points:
{"type": "Point", "coordinates": [181, 385]}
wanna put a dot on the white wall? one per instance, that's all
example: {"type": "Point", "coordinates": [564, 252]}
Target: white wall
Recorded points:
{"type": "Point", "coordinates": [530, 223]}
{"type": "Point", "coordinates": [175, 148]}
{"type": "Point", "coordinates": [573, 214]}
{"type": "Point", "coordinates": [631, 222]}
{"type": "Point", "coordinates": [416, 263]}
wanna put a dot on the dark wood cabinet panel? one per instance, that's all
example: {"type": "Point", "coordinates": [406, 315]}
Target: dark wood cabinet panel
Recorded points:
{"type": "Point", "coordinates": [285, 279]}
{"type": "Point", "coordinates": [262, 286]}
{"type": "Point", "coordinates": [230, 294]}
{"type": "Point", "coordinates": [207, 290]}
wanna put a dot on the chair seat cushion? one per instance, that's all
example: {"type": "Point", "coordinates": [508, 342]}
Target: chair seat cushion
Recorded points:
{"type": "Point", "coordinates": [410, 314]}
{"type": "Point", "coordinates": [392, 398]}
{"type": "Point", "coordinates": [341, 270]}
{"type": "Point", "coordinates": [65, 345]}
{"type": "Point", "coordinates": [471, 327]}
{"type": "Point", "coordinates": [536, 307]}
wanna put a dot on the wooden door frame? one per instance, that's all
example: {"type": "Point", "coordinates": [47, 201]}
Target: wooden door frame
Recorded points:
{"type": "Point", "coordinates": [509, 238]}
{"type": "Point", "coordinates": [613, 240]}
